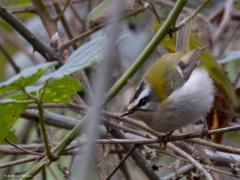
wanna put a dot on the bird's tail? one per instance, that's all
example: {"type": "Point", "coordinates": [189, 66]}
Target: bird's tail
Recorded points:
{"type": "Point", "coordinates": [183, 36]}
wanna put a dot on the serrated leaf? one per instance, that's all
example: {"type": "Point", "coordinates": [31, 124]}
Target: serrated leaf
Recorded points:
{"type": "Point", "coordinates": [25, 78]}
{"type": "Point", "coordinates": [9, 113]}
{"type": "Point", "coordinates": [61, 90]}
{"type": "Point", "coordinates": [209, 63]}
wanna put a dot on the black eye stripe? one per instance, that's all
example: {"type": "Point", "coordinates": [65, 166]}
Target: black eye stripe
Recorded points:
{"type": "Point", "coordinates": [138, 92]}
{"type": "Point", "coordinates": [143, 101]}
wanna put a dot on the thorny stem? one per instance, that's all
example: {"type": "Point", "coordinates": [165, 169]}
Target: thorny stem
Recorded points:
{"type": "Point", "coordinates": [43, 129]}
{"type": "Point", "coordinates": [161, 33]}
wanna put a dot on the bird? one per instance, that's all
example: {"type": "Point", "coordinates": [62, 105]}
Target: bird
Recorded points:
{"type": "Point", "coordinates": [174, 91]}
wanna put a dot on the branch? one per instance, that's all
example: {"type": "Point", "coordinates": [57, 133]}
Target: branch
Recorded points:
{"type": "Point", "coordinates": [61, 121]}
{"type": "Point", "coordinates": [194, 13]}
{"type": "Point", "coordinates": [21, 9]}
{"type": "Point", "coordinates": [191, 159]}
{"type": "Point", "coordinates": [57, 150]}
{"type": "Point", "coordinates": [121, 163]}
{"type": "Point", "coordinates": [51, 119]}
{"type": "Point", "coordinates": [39, 103]}
{"type": "Point", "coordinates": [138, 158]}
{"type": "Point", "coordinates": [216, 146]}
{"type": "Point", "coordinates": [36, 43]}
{"type": "Point", "coordinates": [23, 149]}
{"type": "Point", "coordinates": [44, 15]}
{"type": "Point", "coordinates": [177, 173]}
{"type": "Point", "coordinates": [20, 161]}
{"type": "Point", "coordinates": [96, 28]}
{"type": "Point", "coordinates": [9, 58]}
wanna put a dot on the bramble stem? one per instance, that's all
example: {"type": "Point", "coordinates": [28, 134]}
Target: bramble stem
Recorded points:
{"type": "Point", "coordinates": [161, 33]}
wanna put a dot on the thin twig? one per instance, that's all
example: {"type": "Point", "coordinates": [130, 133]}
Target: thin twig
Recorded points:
{"type": "Point", "coordinates": [137, 157]}
{"type": "Point", "coordinates": [94, 29]}
{"type": "Point", "coordinates": [64, 22]}
{"type": "Point", "coordinates": [8, 37]}
{"type": "Point", "coordinates": [21, 9]}
{"type": "Point", "coordinates": [216, 146]}
{"type": "Point", "coordinates": [190, 17]}
{"type": "Point", "coordinates": [153, 9]}
{"type": "Point", "coordinates": [221, 171]}
{"type": "Point", "coordinates": [225, 20]}
{"type": "Point", "coordinates": [9, 58]}
{"type": "Point", "coordinates": [19, 161]}
{"type": "Point", "coordinates": [44, 15]}
{"type": "Point", "coordinates": [36, 43]}
{"type": "Point", "coordinates": [191, 159]}
{"type": "Point", "coordinates": [23, 149]}
{"type": "Point", "coordinates": [56, 150]}
{"type": "Point", "coordinates": [177, 173]}
{"type": "Point", "coordinates": [121, 163]}
{"type": "Point", "coordinates": [143, 127]}
{"type": "Point", "coordinates": [61, 13]}
{"type": "Point", "coordinates": [39, 103]}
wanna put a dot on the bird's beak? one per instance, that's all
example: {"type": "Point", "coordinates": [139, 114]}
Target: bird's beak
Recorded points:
{"type": "Point", "coordinates": [127, 113]}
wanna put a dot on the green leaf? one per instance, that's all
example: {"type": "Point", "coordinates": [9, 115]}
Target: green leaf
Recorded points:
{"type": "Point", "coordinates": [25, 78]}
{"type": "Point", "coordinates": [61, 90]}
{"type": "Point", "coordinates": [9, 113]}
{"type": "Point", "coordinates": [209, 63]}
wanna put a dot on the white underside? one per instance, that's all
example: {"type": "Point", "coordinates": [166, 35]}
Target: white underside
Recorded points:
{"type": "Point", "coordinates": [185, 105]}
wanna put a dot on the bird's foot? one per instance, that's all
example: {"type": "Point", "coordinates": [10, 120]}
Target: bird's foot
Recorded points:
{"type": "Point", "coordinates": [163, 139]}
{"type": "Point", "coordinates": [205, 131]}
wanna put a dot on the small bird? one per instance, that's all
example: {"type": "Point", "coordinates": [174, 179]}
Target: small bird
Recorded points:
{"type": "Point", "coordinates": [174, 91]}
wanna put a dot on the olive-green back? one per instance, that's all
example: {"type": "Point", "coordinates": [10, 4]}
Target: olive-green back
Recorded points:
{"type": "Point", "coordinates": [163, 75]}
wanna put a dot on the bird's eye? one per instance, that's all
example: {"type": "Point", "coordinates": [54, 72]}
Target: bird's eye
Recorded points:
{"type": "Point", "coordinates": [143, 101]}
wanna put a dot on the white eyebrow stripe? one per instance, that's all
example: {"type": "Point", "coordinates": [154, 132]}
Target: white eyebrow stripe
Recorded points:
{"type": "Point", "coordinates": [144, 93]}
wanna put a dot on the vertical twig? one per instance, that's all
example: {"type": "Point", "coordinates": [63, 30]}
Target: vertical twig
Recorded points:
{"type": "Point", "coordinates": [43, 129]}
{"type": "Point", "coordinates": [43, 13]}
{"type": "Point", "coordinates": [9, 58]}
{"type": "Point", "coordinates": [64, 22]}
{"type": "Point", "coordinates": [121, 162]}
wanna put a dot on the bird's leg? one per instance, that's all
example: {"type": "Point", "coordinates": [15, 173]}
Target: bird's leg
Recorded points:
{"type": "Point", "coordinates": [205, 127]}
{"type": "Point", "coordinates": [162, 138]}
